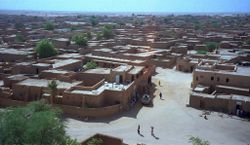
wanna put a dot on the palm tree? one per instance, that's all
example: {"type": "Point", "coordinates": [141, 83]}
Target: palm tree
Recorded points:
{"type": "Point", "coordinates": [53, 88]}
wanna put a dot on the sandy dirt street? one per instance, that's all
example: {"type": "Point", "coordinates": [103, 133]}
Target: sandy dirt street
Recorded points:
{"type": "Point", "coordinates": [173, 122]}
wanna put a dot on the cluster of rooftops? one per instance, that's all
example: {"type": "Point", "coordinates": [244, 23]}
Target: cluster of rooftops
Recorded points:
{"type": "Point", "coordinates": [199, 44]}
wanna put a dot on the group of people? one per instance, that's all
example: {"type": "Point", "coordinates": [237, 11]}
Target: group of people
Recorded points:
{"type": "Point", "coordinates": [160, 92]}
{"type": "Point", "coordinates": [139, 130]}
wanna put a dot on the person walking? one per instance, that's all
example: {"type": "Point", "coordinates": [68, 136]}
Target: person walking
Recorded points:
{"type": "Point", "coordinates": [160, 95]}
{"type": "Point", "coordinates": [205, 117]}
{"type": "Point", "coordinates": [159, 83]}
{"type": "Point", "coordinates": [139, 129]}
{"type": "Point", "coordinates": [152, 130]}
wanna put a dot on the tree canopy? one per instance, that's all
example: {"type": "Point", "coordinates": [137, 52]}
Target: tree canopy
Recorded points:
{"type": "Point", "coordinates": [35, 124]}
{"type": "Point", "coordinates": [107, 31]}
{"type": "Point", "coordinates": [53, 88]}
{"type": "Point", "coordinates": [45, 48]}
{"type": "Point", "coordinates": [93, 20]}
{"type": "Point", "coordinates": [49, 26]}
{"type": "Point", "coordinates": [80, 39]}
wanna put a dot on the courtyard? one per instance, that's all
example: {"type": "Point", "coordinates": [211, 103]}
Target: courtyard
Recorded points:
{"type": "Point", "coordinates": [172, 120]}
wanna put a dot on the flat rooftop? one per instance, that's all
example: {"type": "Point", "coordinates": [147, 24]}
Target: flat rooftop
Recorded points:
{"type": "Point", "coordinates": [122, 68]}
{"type": "Point", "coordinates": [70, 55]}
{"type": "Point", "coordinates": [143, 54]}
{"type": "Point", "coordinates": [105, 86]}
{"type": "Point", "coordinates": [17, 77]}
{"type": "Point", "coordinates": [136, 70]}
{"type": "Point", "coordinates": [114, 59]}
{"type": "Point", "coordinates": [61, 39]}
{"type": "Point", "coordinates": [98, 71]}
{"type": "Point", "coordinates": [56, 71]}
{"type": "Point", "coordinates": [44, 83]}
{"type": "Point", "coordinates": [42, 64]}
{"type": "Point", "coordinates": [59, 62]}
{"type": "Point", "coordinates": [104, 50]}
{"type": "Point", "coordinates": [241, 71]}
{"type": "Point", "coordinates": [15, 51]}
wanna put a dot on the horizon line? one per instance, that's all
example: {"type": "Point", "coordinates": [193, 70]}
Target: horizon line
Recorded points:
{"type": "Point", "coordinates": [72, 11]}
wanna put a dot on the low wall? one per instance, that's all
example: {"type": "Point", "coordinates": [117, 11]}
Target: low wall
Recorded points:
{"type": "Point", "coordinates": [209, 103]}
{"type": "Point", "coordinates": [216, 104]}
{"type": "Point", "coordinates": [90, 112]}
{"type": "Point", "coordinates": [232, 90]}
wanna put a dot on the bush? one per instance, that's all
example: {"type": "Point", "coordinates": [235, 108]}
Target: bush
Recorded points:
{"type": "Point", "coordinates": [80, 39]}
{"type": "Point", "coordinates": [49, 26]}
{"type": "Point", "coordinates": [45, 48]}
{"type": "Point", "coordinates": [95, 141]}
{"type": "Point", "coordinates": [91, 65]}
{"type": "Point", "coordinates": [19, 38]}
{"type": "Point", "coordinates": [198, 141]}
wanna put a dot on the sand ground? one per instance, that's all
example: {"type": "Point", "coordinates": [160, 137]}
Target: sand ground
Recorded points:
{"type": "Point", "coordinates": [173, 122]}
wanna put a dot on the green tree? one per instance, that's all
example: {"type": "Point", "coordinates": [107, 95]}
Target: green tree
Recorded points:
{"type": "Point", "coordinates": [93, 20]}
{"type": "Point", "coordinates": [95, 141]}
{"type": "Point", "coordinates": [19, 38]}
{"type": "Point", "coordinates": [80, 39]}
{"type": "Point", "coordinates": [45, 48]}
{"type": "Point", "coordinates": [49, 26]}
{"type": "Point", "coordinates": [99, 36]}
{"type": "Point", "coordinates": [53, 89]}
{"type": "Point", "coordinates": [70, 141]}
{"type": "Point", "coordinates": [211, 45]}
{"type": "Point", "coordinates": [107, 31]}
{"type": "Point", "coordinates": [89, 35]}
{"type": "Point", "coordinates": [91, 65]}
{"type": "Point", "coordinates": [198, 141]}
{"type": "Point", "coordinates": [35, 124]}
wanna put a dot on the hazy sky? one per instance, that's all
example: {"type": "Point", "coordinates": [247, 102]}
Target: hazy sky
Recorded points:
{"type": "Point", "coordinates": [129, 5]}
